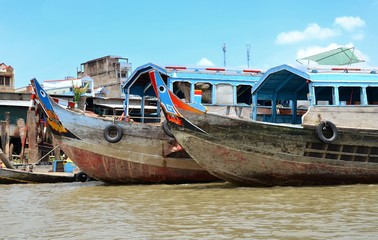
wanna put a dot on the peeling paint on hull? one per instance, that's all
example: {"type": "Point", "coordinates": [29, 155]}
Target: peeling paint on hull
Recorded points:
{"type": "Point", "coordinates": [122, 171]}
{"type": "Point", "coordinates": [252, 153]}
{"type": "Point", "coordinates": [137, 158]}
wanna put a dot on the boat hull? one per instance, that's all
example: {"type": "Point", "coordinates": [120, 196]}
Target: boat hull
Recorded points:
{"type": "Point", "coordinates": [251, 153]}
{"type": "Point", "coordinates": [144, 154]}
{"type": "Point", "coordinates": [124, 170]}
{"type": "Point", "coordinates": [10, 176]}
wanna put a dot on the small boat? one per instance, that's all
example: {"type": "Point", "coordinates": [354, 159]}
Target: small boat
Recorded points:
{"type": "Point", "coordinates": [37, 175]}
{"type": "Point", "coordinates": [327, 135]}
{"type": "Point", "coordinates": [58, 171]}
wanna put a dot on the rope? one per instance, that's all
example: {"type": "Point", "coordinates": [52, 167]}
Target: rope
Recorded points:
{"type": "Point", "coordinates": [46, 155]}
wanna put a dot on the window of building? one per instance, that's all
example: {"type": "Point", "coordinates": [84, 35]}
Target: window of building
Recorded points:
{"type": "Point", "coordinates": [7, 81]}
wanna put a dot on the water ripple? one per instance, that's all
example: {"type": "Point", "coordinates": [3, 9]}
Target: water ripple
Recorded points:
{"type": "Point", "coordinates": [193, 211]}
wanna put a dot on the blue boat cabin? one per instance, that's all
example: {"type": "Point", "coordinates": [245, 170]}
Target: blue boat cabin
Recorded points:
{"type": "Point", "coordinates": [285, 93]}
{"type": "Point", "coordinates": [207, 86]}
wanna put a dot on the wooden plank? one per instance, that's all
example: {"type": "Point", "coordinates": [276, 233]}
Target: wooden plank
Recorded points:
{"type": "Point", "coordinates": [3, 134]}
{"type": "Point", "coordinates": [57, 150]}
{"type": "Point", "coordinates": [5, 160]}
{"type": "Point", "coordinates": [33, 153]}
{"type": "Point", "coordinates": [7, 134]}
{"type": "Point", "coordinates": [22, 129]}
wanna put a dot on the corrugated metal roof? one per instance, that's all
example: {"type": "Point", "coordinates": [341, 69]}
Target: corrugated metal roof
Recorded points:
{"type": "Point", "coordinates": [16, 103]}
{"type": "Point", "coordinates": [111, 105]}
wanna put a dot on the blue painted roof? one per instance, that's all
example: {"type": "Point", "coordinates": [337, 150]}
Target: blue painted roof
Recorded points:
{"type": "Point", "coordinates": [287, 80]}
{"type": "Point", "coordinates": [198, 75]}
{"type": "Point", "coordinates": [282, 79]}
{"type": "Point", "coordinates": [334, 77]}
{"type": "Point", "coordinates": [139, 71]}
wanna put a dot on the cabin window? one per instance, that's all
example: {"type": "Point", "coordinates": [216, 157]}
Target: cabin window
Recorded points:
{"type": "Point", "coordinates": [265, 103]}
{"type": "Point", "coordinates": [244, 94]}
{"type": "Point", "coordinates": [182, 90]}
{"type": "Point", "coordinates": [350, 95]}
{"type": "Point", "coordinates": [224, 94]}
{"type": "Point", "coordinates": [323, 95]}
{"type": "Point", "coordinates": [206, 89]}
{"type": "Point", "coordinates": [372, 95]}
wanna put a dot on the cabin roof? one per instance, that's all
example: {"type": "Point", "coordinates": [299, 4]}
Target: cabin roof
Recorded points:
{"type": "Point", "coordinates": [140, 74]}
{"type": "Point", "coordinates": [281, 80]}
{"type": "Point", "coordinates": [338, 78]}
{"type": "Point", "coordinates": [139, 80]}
{"type": "Point", "coordinates": [288, 81]}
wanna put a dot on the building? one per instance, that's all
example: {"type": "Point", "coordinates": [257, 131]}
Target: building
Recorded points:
{"type": "Point", "coordinates": [6, 78]}
{"type": "Point", "coordinates": [108, 73]}
{"type": "Point", "coordinates": [13, 113]}
{"type": "Point", "coordinates": [65, 86]}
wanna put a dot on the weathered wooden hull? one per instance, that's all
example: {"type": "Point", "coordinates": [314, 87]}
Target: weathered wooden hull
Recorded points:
{"type": "Point", "coordinates": [124, 170]}
{"type": "Point", "coordinates": [10, 176]}
{"type": "Point", "coordinates": [253, 153]}
{"type": "Point", "coordinates": [141, 156]}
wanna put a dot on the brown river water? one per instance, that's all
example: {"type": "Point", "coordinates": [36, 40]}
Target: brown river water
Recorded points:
{"type": "Point", "coordinates": [95, 210]}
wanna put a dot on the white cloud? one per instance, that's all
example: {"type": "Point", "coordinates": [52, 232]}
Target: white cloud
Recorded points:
{"type": "Point", "coordinates": [349, 23]}
{"type": "Point", "coordinates": [358, 36]}
{"type": "Point", "coordinates": [205, 63]}
{"type": "Point", "coordinates": [313, 31]}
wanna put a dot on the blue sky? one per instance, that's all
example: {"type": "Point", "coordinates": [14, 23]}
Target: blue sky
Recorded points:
{"type": "Point", "coordinates": [49, 39]}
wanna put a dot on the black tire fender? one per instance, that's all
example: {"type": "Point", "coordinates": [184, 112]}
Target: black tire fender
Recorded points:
{"type": "Point", "coordinates": [113, 133]}
{"type": "Point", "coordinates": [166, 129]}
{"type": "Point", "coordinates": [323, 125]}
{"type": "Point", "coordinates": [82, 177]}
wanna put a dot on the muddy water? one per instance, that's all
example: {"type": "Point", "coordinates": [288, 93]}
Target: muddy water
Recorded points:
{"type": "Point", "coordinates": [95, 210]}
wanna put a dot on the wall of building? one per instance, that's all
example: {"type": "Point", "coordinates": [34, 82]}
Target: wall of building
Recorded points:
{"type": "Point", "coordinates": [108, 73]}
{"type": "Point", "coordinates": [6, 78]}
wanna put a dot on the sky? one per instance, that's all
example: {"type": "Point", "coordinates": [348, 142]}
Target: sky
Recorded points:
{"type": "Point", "coordinates": [49, 39]}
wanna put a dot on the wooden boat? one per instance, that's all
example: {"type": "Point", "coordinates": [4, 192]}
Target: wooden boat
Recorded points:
{"type": "Point", "coordinates": [334, 142]}
{"type": "Point", "coordinates": [60, 171]}
{"type": "Point", "coordinates": [115, 151]}
{"type": "Point", "coordinates": [138, 150]}
{"type": "Point", "coordinates": [10, 176]}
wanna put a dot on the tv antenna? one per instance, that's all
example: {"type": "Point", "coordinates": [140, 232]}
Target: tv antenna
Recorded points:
{"type": "Point", "coordinates": [224, 54]}
{"type": "Point", "coordinates": [248, 47]}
